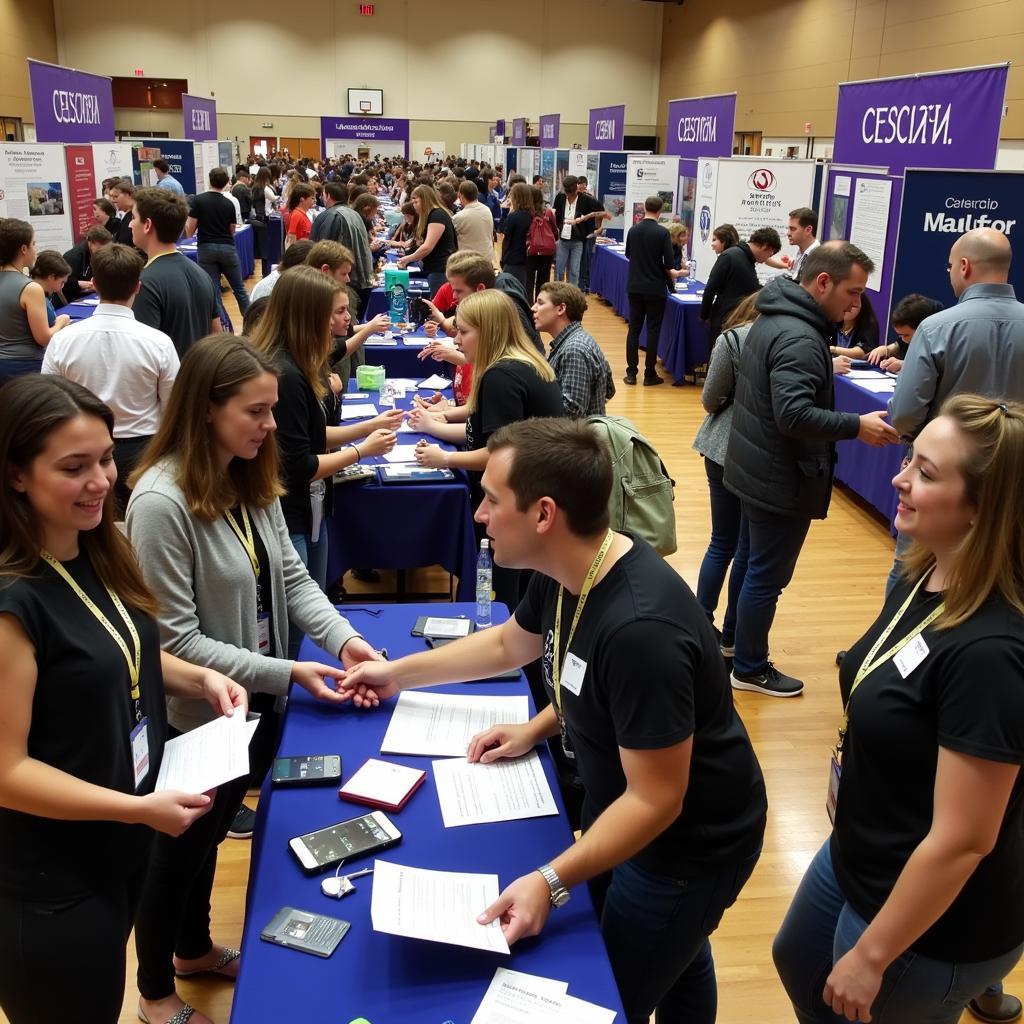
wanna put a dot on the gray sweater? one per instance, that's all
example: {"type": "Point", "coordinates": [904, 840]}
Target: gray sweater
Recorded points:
{"type": "Point", "coordinates": [712, 438]}
{"type": "Point", "coordinates": [203, 580]}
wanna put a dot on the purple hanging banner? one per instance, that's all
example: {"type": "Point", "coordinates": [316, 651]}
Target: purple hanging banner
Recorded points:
{"type": "Point", "coordinates": [701, 127]}
{"type": "Point", "coordinates": [70, 105]}
{"type": "Point", "coordinates": [499, 126]}
{"type": "Point", "coordinates": [491, 132]}
{"type": "Point", "coordinates": [950, 119]}
{"type": "Point", "coordinates": [607, 127]}
{"type": "Point", "coordinates": [200, 118]}
{"type": "Point", "coordinates": [550, 126]}
{"type": "Point", "coordinates": [519, 131]}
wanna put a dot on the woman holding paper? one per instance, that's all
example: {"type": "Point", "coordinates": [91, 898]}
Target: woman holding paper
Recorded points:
{"type": "Point", "coordinates": [207, 523]}
{"type": "Point", "coordinates": [83, 724]}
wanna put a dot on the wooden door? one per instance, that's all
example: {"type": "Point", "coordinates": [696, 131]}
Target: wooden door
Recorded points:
{"type": "Point", "coordinates": [291, 144]}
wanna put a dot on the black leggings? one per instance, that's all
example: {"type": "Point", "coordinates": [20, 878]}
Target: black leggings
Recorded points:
{"type": "Point", "coordinates": [64, 959]}
{"type": "Point", "coordinates": [174, 912]}
{"type": "Point", "coordinates": [538, 270]}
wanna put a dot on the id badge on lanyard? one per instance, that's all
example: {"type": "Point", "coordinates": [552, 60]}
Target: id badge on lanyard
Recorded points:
{"type": "Point", "coordinates": [140, 751]}
{"type": "Point", "coordinates": [317, 491]}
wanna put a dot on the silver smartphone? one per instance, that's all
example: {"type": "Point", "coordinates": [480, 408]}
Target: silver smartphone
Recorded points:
{"type": "Point", "coordinates": [356, 837]}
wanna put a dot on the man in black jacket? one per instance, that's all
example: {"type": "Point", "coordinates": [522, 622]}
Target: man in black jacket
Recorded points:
{"type": "Point", "coordinates": [782, 446]}
{"type": "Point", "coordinates": [734, 276]}
{"type": "Point", "coordinates": [79, 259]}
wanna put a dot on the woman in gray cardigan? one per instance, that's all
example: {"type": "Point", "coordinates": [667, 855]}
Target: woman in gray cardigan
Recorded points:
{"type": "Point", "coordinates": [728, 533]}
{"type": "Point", "coordinates": [205, 519]}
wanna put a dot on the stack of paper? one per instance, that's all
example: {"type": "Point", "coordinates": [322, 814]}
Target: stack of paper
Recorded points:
{"type": "Point", "coordinates": [435, 383]}
{"type": "Point", "coordinates": [401, 453]}
{"type": "Point", "coordinates": [880, 385]}
{"type": "Point", "coordinates": [505, 790]}
{"type": "Point", "coordinates": [207, 757]}
{"type": "Point", "coordinates": [516, 998]}
{"type": "Point", "coordinates": [357, 410]}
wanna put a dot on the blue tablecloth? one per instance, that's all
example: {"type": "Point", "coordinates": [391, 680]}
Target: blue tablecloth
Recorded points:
{"type": "Point", "coordinates": [379, 301]}
{"type": "Point", "coordinates": [78, 310]}
{"type": "Point", "coordinates": [402, 360]}
{"type": "Point", "coordinates": [243, 243]}
{"type": "Point", "coordinates": [387, 979]}
{"type": "Point", "coordinates": [866, 470]}
{"type": "Point", "coordinates": [403, 526]}
{"type": "Point", "coordinates": [684, 338]}
{"type": "Point", "coordinates": [275, 239]}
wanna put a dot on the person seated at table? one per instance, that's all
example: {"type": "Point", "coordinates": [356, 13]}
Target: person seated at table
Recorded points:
{"type": "Point", "coordinates": [907, 315]}
{"type": "Point", "coordinates": [435, 233]}
{"type": "Point", "coordinates": [104, 215]}
{"type": "Point", "coordinates": [297, 222]}
{"type": "Point", "coordinates": [858, 332]}
{"type": "Point", "coordinates": [724, 237]}
{"type": "Point", "coordinates": [675, 804]}
{"type": "Point", "coordinates": [77, 810]}
{"type": "Point", "coordinates": [307, 311]}
{"type": "Point", "coordinates": [51, 272]}
{"type": "Point", "coordinates": [206, 521]}
{"type": "Point", "coordinates": [512, 381]}
{"type": "Point", "coordinates": [79, 259]}
{"type": "Point", "coordinates": [680, 234]}
{"type": "Point", "coordinates": [403, 235]}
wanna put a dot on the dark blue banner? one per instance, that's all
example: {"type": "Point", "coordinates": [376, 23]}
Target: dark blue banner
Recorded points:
{"type": "Point", "coordinates": [179, 153]}
{"type": "Point", "coordinates": [938, 207]}
{"type": "Point", "coordinates": [612, 182]}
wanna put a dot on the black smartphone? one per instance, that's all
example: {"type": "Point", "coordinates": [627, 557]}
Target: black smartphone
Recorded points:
{"type": "Point", "coordinates": [418, 310]}
{"type": "Point", "coordinates": [314, 770]}
{"type": "Point", "coordinates": [353, 838]}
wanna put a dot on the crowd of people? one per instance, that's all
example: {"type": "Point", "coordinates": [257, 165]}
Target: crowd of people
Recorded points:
{"type": "Point", "coordinates": [164, 547]}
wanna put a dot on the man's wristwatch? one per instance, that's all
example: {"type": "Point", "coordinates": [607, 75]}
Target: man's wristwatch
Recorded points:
{"type": "Point", "coordinates": [559, 893]}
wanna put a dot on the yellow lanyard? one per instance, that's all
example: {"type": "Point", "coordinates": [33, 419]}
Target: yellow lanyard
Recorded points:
{"type": "Point", "coordinates": [595, 568]}
{"type": "Point", "coordinates": [871, 662]}
{"type": "Point", "coordinates": [134, 660]}
{"type": "Point", "coordinates": [247, 539]}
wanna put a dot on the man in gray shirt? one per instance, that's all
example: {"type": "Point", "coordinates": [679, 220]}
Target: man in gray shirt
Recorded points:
{"type": "Point", "coordinates": [340, 223]}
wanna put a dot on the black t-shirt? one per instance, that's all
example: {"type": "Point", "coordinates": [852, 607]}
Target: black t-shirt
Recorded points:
{"type": "Point", "coordinates": [435, 261]}
{"type": "Point", "coordinates": [215, 214]}
{"type": "Point", "coordinates": [513, 246]}
{"type": "Point", "coordinates": [264, 590]}
{"type": "Point", "coordinates": [244, 196]}
{"type": "Point", "coordinates": [654, 678]}
{"type": "Point", "coordinates": [177, 298]}
{"type": "Point", "coordinates": [649, 251]}
{"type": "Point", "coordinates": [967, 696]}
{"type": "Point", "coordinates": [509, 391]}
{"type": "Point", "coordinates": [82, 719]}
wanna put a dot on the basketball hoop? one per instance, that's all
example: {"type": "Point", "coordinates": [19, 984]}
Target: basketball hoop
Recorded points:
{"type": "Point", "coordinates": [364, 106]}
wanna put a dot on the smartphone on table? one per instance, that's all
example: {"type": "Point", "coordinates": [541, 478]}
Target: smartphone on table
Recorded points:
{"type": "Point", "coordinates": [310, 770]}
{"type": "Point", "coordinates": [356, 837]}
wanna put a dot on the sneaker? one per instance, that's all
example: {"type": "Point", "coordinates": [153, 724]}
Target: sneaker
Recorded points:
{"type": "Point", "coordinates": [650, 382]}
{"type": "Point", "coordinates": [771, 682]}
{"type": "Point", "coordinates": [242, 826]}
{"type": "Point", "coordinates": [997, 1008]}
{"type": "Point", "coordinates": [630, 378]}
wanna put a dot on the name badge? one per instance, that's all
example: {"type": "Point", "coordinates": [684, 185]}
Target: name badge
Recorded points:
{"type": "Point", "coordinates": [263, 634]}
{"type": "Point", "coordinates": [140, 751]}
{"type": "Point", "coordinates": [832, 800]}
{"type": "Point", "coordinates": [573, 672]}
{"type": "Point", "coordinates": [911, 656]}
{"type": "Point", "coordinates": [566, 230]}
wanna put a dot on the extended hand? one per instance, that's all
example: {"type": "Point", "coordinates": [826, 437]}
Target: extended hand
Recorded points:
{"type": "Point", "coordinates": [356, 651]}
{"type": "Point", "coordinates": [876, 355]}
{"type": "Point", "coordinates": [523, 907]}
{"type": "Point", "coordinates": [312, 677]}
{"type": "Point", "coordinates": [500, 741]}
{"type": "Point", "coordinates": [841, 364]}
{"type": "Point", "coordinates": [875, 431]}
{"type": "Point", "coordinates": [224, 695]}
{"type": "Point", "coordinates": [430, 455]}
{"type": "Point", "coordinates": [852, 986]}
{"type": "Point", "coordinates": [370, 682]}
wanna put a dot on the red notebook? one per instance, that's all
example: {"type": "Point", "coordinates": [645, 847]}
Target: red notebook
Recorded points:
{"type": "Point", "coordinates": [382, 784]}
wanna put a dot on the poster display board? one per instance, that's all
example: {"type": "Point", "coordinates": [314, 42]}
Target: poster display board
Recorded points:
{"type": "Point", "coordinates": [180, 154]}
{"type": "Point", "coordinates": [528, 164]}
{"type": "Point", "coordinates": [70, 105]}
{"type": "Point", "coordinates": [547, 172]}
{"type": "Point", "coordinates": [34, 188]}
{"type": "Point", "coordinates": [701, 126]}
{"type": "Point", "coordinates": [612, 183]}
{"type": "Point", "coordinates": [586, 163]}
{"type": "Point", "coordinates": [88, 166]}
{"type": "Point", "coordinates": [648, 176]}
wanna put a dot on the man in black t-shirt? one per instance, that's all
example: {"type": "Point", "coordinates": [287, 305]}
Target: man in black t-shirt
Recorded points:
{"type": "Point", "coordinates": [650, 277]}
{"type": "Point", "coordinates": [675, 806]}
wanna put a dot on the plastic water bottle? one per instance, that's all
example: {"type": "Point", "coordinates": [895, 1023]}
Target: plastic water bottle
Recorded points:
{"type": "Point", "coordinates": [483, 585]}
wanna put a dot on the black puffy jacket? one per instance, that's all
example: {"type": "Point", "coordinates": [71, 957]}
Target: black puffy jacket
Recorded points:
{"type": "Point", "coordinates": [782, 447]}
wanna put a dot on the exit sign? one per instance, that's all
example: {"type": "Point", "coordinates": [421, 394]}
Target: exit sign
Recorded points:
{"type": "Point", "coordinates": [366, 9]}
{"type": "Point", "coordinates": [139, 72]}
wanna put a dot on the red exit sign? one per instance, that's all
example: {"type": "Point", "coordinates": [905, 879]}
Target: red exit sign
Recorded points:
{"type": "Point", "coordinates": [139, 73]}
{"type": "Point", "coordinates": [366, 10]}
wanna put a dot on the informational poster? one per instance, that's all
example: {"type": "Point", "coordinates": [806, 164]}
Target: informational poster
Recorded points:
{"type": "Point", "coordinates": [34, 187]}
{"type": "Point", "coordinates": [226, 156]}
{"type": "Point", "coordinates": [428, 151]}
{"type": "Point", "coordinates": [686, 196]}
{"type": "Point", "coordinates": [870, 223]}
{"type": "Point", "coordinates": [586, 163]}
{"type": "Point", "coordinates": [561, 168]}
{"type": "Point", "coordinates": [180, 155]}
{"type": "Point", "coordinates": [648, 176]}
{"type": "Point", "coordinates": [612, 182]}
{"type": "Point", "coordinates": [529, 164]}
{"type": "Point", "coordinates": [547, 172]}
{"type": "Point", "coordinates": [111, 160]}
{"type": "Point", "coordinates": [207, 157]}
{"type": "Point", "coordinates": [704, 216]}
{"type": "Point", "coordinates": [81, 188]}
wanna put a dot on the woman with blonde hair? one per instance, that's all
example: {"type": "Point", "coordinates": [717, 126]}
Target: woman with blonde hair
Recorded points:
{"type": "Point", "coordinates": [206, 520]}
{"type": "Point", "coordinates": [915, 905]}
{"type": "Point", "coordinates": [512, 381]}
{"type": "Point", "coordinates": [436, 234]}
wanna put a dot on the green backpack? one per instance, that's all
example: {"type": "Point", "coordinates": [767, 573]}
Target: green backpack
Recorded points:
{"type": "Point", "coordinates": [642, 491]}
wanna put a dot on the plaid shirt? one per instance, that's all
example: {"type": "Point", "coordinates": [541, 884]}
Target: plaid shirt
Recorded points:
{"type": "Point", "coordinates": [583, 372]}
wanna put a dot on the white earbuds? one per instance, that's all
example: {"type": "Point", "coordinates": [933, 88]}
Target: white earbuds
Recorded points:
{"type": "Point", "coordinates": [336, 887]}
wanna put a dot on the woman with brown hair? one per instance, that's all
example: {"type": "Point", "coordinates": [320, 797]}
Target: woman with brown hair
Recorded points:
{"type": "Point", "coordinates": [517, 230]}
{"type": "Point", "coordinates": [436, 234]}
{"type": "Point", "coordinates": [915, 905]}
{"type": "Point", "coordinates": [297, 223]}
{"type": "Point", "coordinates": [206, 520]}
{"type": "Point", "coordinates": [84, 722]}
{"type": "Point", "coordinates": [538, 264]}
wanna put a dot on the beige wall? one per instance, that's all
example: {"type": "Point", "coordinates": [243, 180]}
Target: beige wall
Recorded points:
{"type": "Point", "coordinates": [785, 59]}
{"type": "Point", "coordinates": [26, 30]}
{"type": "Point", "coordinates": [433, 58]}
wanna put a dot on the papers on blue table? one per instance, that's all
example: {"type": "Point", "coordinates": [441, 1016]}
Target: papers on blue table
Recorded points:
{"type": "Point", "coordinates": [207, 757]}
{"type": "Point", "coordinates": [381, 341]}
{"type": "Point", "coordinates": [516, 998]}
{"type": "Point", "coordinates": [434, 383]}
{"type": "Point", "coordinates": [879, 385]}
{"type": "Point", "coordinates": [506, 790]}
{"type": "Point", "coordinates": [442, 724]}
{"type": "Point", "coordinates": [438, 906]}
{"type": "Point", "coordinates": [357, 410]}
{"type": "Point", "coordinates": [401, 453]}
{"type": "Point", "coordinates": [92, 300]}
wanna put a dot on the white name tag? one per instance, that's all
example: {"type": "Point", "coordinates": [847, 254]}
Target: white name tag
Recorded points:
{"type": "Point", "coordinates": [573, 672]}
{"type": "Point", "coordinates": [263, 634]}
{"type": "Point", "coordinates": [567, 229]}
{"type": "Point", "coordinates": [140, 751]}
{"type": "Point", "coordinates": [911, 656]}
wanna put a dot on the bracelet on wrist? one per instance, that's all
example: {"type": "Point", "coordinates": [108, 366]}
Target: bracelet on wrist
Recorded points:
{"type": "Point", "coordinates": [356, 450]}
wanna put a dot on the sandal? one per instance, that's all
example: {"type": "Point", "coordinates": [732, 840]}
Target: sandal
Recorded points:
{"type": "Point", "coordinates": [228, 956]}
{"type": "Point", "coordinates": [183, 1016]}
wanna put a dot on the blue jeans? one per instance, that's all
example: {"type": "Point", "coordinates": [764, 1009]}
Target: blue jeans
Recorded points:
{"type": "Point", "coordinates": [903, 543]}
{"type": "Point", "coordinates": [729, 544]}
{"type": "Point", "coordinates": [223, 259]}
{"type": "Point", "coordinates": [11, 368]}
{"type": "Point", "coordinates": [656, 932]}
{"type": "Point", "coordinates": [585, 260]}
{"type": "Point", "coordinates": [821, 927]}
{"type": "Point", "coordinates": [314, 558]}
{"type": "Point", "coordinates": [435, 281]}
{"type": "Point", "coordinates": [567, 257]}
{"type": "Point", "coordinates": [775, 543]}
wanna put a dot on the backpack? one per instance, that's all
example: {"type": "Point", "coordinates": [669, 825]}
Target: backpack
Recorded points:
{"type": "Point", "coordinates": [540, 239]}
{"type": "Point", "coordinates": [642, 491]}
